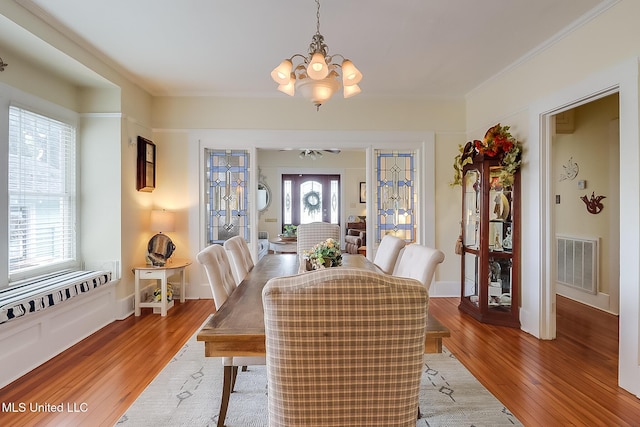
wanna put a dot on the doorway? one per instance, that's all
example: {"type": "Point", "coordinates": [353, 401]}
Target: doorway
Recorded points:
{"type": "Point", "coordinates": [585, 153]}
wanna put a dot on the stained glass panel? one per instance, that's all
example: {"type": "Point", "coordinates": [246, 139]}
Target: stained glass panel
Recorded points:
{"type": "Point", "coordinates": [395, 194]}
{"type": "Point", "coordinates": [226, 194]}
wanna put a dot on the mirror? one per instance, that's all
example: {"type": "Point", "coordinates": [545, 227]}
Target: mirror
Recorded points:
{"type": "Point", "coordinates": [264, 196]}
{"type": "Point", "coordinates": [160, 248]}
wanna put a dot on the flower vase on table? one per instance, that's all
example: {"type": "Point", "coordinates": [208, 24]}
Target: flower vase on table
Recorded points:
{"type": "Point", "coordinates": [325, 254]}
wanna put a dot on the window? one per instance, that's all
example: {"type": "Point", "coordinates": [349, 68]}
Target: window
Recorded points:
{"type": "Point", "coordinates": [42, 193]}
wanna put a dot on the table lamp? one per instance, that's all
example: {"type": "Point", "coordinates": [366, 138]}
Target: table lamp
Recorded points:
{"type": "Point", "coordinates": [160, 246]}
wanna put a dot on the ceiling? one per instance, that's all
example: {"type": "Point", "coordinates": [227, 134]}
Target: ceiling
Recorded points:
{"type": "Point", "coordinates": [404, 48]}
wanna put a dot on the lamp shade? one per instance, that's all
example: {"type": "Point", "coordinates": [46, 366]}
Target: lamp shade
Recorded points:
{"type": "Point", "coordinates": [350, 74]}
{"type": "Point", "coordinates": [290, 87]}
{"type": "Point", "coordinates": [318, 68]}
{"type": "Point", "coordinates": [282, 72]}
{"type": "Point", "coordinates": [162, 220]}
{"type": "Point", "coordinates": [351, 90]}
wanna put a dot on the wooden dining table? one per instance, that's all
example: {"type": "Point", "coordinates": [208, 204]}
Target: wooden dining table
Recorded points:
{"type": "Point", "coordinates": [237, 328]}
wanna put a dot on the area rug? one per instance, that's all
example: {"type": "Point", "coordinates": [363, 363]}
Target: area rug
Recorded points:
{"type": "Point", "coordinates": [187, 393]}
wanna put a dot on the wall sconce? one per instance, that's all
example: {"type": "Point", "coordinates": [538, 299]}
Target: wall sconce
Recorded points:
{"type": "Point", "coordinates": [160, 247]}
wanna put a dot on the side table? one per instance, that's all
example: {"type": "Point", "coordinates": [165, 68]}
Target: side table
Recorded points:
{"type": "Point", "coordinates": [144, 272]}
{"type": "Point", "coordinates": [278, 245]}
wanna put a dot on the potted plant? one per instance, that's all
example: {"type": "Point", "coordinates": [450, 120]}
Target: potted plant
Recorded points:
{"type": "Point", "coordinates": [290, 233]}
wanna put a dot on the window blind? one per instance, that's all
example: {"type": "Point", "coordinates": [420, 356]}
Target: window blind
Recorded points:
{"type": "Point", "coordinates": [42, 192]}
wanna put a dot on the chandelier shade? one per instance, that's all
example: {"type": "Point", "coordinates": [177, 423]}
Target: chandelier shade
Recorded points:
{"type": "Point", "coordinates": [318, 91]}
{"type": "Point", "coordinates": [282, 72]}
{"type": "Point", "coordinates": [351, 90]}
{"type": "Point", "coordinates": [317, 76]}
{"type": "Point", "coordinates": [290, 87]}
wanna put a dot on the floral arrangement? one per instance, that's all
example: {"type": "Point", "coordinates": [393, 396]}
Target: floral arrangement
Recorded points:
{"type": "Point", "coordinates": [324, 254]}
{"type": "Point", "coordinates": [497, 143]}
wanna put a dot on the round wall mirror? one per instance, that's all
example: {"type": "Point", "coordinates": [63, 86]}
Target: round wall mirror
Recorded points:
{"type": "Point", "coordinates": [264, 196]}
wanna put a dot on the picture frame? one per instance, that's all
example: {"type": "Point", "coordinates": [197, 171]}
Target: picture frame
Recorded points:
{"type": "Point", "coordinates": [363, 192]}
{"type": "Point", "coordinates": [146, 165]}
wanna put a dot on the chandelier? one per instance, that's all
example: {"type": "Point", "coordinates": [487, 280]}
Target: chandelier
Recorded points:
{"type": "Point", "coordinates": [317, 77]}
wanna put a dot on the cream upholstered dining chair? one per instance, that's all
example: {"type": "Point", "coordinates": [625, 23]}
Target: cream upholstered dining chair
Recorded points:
{"type": "Point", "coordinates": [418, 262]}
{"type": "Point", "coordinates": [240, 256]}
{"type": "Point", "coordinates": [344, 348]}
{"type": "Point", "coordinates": [218, 269]}
{"type": "Point", "coordinates": [315, 232]}
{"type": "Point", "coordinates": [387, 253]}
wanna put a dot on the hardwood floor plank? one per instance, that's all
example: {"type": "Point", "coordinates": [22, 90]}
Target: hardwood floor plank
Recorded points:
{"type": "Point", "coordinates": [568, 381]}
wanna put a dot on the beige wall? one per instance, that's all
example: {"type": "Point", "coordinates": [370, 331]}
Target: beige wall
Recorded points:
{"type": "Point", "coordinates": [592, 148]}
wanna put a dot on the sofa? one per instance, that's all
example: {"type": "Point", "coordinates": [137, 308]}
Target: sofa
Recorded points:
{"type": "Point", "coordinates": [353, 240]}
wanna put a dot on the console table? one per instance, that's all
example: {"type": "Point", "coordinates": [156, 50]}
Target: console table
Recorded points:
{"type": "Point", "coordinates": [161, 274]}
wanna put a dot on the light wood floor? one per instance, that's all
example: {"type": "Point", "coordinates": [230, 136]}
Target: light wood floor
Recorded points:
{"type": "Point", "coordinates": [568, 381]}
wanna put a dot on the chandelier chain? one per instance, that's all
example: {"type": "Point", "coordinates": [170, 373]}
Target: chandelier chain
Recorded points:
{"type": "Point", "coordinates": [318, 17]}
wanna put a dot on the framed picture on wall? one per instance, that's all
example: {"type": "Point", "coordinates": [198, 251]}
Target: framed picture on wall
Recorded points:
{"type": "Point", "coordinates": [146, 173]}
{"type": "Point", "coordinates": [363, 192]}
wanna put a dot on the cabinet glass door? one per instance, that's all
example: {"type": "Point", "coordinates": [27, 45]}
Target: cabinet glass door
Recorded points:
{"type": "Point", "coordinates": [500, 242]}
{"type": "Point", "coordinates": [471, 209]}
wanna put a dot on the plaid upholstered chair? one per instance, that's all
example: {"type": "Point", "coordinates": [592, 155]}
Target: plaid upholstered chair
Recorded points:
{"type": "Point", "coordinates": [387, 253]}
{"type": "Point", "coordinates": [418, 262]}
{"type": "Point", "coordinates": [344, 348]}
{"type": "Point", "coordinates": [240, 256]}
{"type": "Point", "coordinates": [311, 234]}
{"type": "Point", "coordinates": [218, 268]}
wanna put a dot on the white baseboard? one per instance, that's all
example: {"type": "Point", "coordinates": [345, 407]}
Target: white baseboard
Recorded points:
{"type": "Point", "coordinates": [29, 341]}
{"type": "Point", "coordinates": [599, 300]}
{"type": "Point", "coordinates": [444, 289]}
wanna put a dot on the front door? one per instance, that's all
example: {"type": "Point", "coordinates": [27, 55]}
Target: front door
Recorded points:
{"type": "Point", "coordinates": [310, 198]}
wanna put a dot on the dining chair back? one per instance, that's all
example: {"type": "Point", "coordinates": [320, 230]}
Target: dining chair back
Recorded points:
{"type": "Point", "coordinates": [315, 232]}
{"type": "Point", "coordinates": [218, 268]}
{"type": "Point", "coordinates": [240, 257]}
{"type": "Point", "coordinates": [387, 253]}
{"type": "Point", "coordinates": [219, 273]}
{"type": "Point", "coordinates": [344, 348]}
{"type": "Point", "coordinates": [418, 262]}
